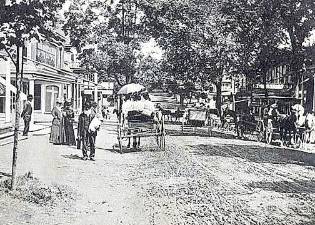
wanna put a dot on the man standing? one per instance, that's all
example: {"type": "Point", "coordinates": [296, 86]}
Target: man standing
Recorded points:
{"type": "Point", "coordinates": [85, 135]}
{"type": "Point", "coordinates": [83, 129]}
{"type": "Point", "coordinates": [93, 130]}
{"type": "Point", "coordinates": [27, 114]}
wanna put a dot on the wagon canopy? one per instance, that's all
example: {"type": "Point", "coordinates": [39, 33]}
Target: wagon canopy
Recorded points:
{"type": "Point", "coordinates": [131, 88]}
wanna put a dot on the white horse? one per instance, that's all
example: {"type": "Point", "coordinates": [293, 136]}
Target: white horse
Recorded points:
{"type": "Point", "coordinates": [310, 128]}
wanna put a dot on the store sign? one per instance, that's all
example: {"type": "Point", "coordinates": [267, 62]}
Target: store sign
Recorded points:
{"type": "Point", "coordinates": [107, 92]}
{"type": "Point", "coordinates": [88, 92]}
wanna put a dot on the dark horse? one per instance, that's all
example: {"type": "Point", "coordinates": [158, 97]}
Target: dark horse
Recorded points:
{"type": "Point", "coordinates": [287, 125]}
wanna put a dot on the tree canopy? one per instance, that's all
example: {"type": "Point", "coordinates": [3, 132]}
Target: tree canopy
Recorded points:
{"type": "Point", "coordinates": [25, 19]}
{"type": "Point", "coordinates": [108, 35]}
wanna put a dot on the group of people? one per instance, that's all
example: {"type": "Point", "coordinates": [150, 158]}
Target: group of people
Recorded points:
{"type": "Point", "coordinates": [297, 118]}
{"type": "Point", "coordinates": [137, 106]}
{"type": "Point", "coordinates": [62, 131]}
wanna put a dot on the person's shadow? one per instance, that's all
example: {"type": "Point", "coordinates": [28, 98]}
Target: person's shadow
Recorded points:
{"type": "Point", "coordinates": [72, 156]}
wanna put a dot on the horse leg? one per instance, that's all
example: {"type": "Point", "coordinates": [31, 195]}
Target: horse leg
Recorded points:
{"type": "Point", "coordinates": [281, 136]}
{"type": "Point", "coordinates": [128, 145]}
{"type": "Point", "coordinates": [291, 139]}
{"type": "Point", "coordinates": [139, 142]}
{"type": "Point", "coordinates": [237, 129]}
{"type": "Point", "coordinates": [286, 136]}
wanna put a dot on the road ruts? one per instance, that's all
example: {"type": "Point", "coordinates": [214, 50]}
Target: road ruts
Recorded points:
{"type": "Point", "coordinates": [205, 192]}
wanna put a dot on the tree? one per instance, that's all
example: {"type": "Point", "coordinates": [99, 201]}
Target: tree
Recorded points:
{"type": "Point", "coordinates": [20, 21]}
{"type": "Point", "coordinates": [257, 30]}
{"type": "Point", "coordinates": [193, 35]}
{"type": "Point", "coordinates": [298, 19]}
{"type": "Point", "coordinates": [263, 25]}
{"type": "Point", "coordinates": [108, 35]}
{"type": "Point", "coordinates": [149, 72]}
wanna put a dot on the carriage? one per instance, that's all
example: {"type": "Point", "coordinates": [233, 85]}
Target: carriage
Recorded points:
{"type": "Point", "coordinates": [247, 120]}
{"type": "Point", "coordinates": [196, 118]}
{"type": "Point", "coordinates": [281, 126]}
{"type": "Point", "coordinates": [172, 114]}
{"type": "Point", "coordinates": [267, 129]}
{"type": "Point", "coordinates": [214, 120]}
{"type": "Point", "coordinates": [136, 125]}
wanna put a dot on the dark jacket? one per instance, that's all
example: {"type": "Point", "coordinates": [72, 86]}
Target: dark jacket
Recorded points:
{"type": "Point", "coordinates": [27, 111]}
{"type": "Point", "coordinates": [83, 124]}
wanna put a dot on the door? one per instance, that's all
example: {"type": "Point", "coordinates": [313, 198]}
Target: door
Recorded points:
{"type": "Point", "coordinates": [52, 93]}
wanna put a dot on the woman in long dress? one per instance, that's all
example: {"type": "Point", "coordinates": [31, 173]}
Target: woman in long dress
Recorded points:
{"type": "Point", "coordinates": [68, 116]}
{"type": "Point", "coordinates": [57, 129]}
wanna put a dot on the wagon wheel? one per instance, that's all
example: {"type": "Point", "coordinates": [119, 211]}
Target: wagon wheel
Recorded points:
{"type": "Point", "coordinates": [260, 131]}
{"type": "Point", "coordinates": [269, 132]}
{"type": "Point", "coordinates": [119, 138]}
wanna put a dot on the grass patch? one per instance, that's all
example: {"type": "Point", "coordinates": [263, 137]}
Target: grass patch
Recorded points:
{"type": "Point", "coordinates": [31, 190]}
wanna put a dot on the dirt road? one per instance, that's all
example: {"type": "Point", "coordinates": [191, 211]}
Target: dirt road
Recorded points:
{"type": "Point", "coordinates": [197, 180]}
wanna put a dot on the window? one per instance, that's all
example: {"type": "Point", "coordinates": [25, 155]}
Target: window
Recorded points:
{"type": "Point", "coordinates": [24, 52]}
{"type": "Point", "coordinates": [46, 54]}
{"type": "Point", "coordinates": [37, 97]}
{"type": "Point", "coordinates": [2, 98]}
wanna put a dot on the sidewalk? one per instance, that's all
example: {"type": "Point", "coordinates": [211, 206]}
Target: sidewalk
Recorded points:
{"type": "Point", "coordinates": [41, 126]}
{"type": "Point", "coordinates": [41, 122]}
{"type": "Point", "coordinates": [35, 129]}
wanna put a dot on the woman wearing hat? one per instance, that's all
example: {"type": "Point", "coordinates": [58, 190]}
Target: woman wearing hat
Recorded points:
{"type": "Point", "coordinates": [57, 130]}
{"type": "Point", "coordinates": [68, 116]}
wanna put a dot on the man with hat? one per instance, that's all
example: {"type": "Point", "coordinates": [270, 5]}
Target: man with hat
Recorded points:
{"type": "Point", "coordinates": [84, 135]}
{"type": "Point", "coordinates": [27, 114]}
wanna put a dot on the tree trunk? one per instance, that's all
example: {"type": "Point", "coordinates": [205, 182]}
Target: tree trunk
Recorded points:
{"type": "Point", "coordinates": [18, 77]}
{"type": "Point", "coordinates": [181, 99]}
{"type": "Point", "coordinates": [297, 60]}
{"type": "Point", "coordinates": [265, 81]}
{"type": "Point", "coordinates": [219, 96]}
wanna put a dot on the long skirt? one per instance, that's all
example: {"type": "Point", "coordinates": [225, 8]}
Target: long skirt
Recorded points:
{"type": "Point", "coordinates": [69, 133]}
{"type": "Point", "coordinates": [57, 133]}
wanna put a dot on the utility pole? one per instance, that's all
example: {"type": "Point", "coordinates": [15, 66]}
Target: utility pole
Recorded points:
{"type": "Point", "coordinates": [314, 91]}
{"type": "Point", "coordinates": [95, 87]}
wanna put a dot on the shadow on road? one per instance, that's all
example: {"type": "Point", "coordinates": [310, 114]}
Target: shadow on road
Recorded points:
{"type": "Point", "coordinates": [294, 187]}
{"type": "Point", "coordinates": [312, 222]}
{"type": "Point", "coordinates": [72, 157]}
{"type": "Point", "coordinates": [2, 174]}
{"type": "Point", "coordinates": [199, 133]}
{"type": "Point", "coordinates": [258, 154]}
{"type": "Point", "coordinates": [128, 150]}
{"type": "Point", "coordinates": [108, 149]}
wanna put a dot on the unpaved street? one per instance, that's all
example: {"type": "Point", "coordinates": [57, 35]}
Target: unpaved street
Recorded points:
{"type": "Point", "coordinates": [197, 180]}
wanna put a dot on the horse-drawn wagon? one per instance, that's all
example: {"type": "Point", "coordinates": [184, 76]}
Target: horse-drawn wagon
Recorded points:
{"type": "Point", "coordinates": [287, 123]}
{"type": "Point", "coordinates": [135, 124]}
{"type": "Point", "coordinates": [275, 118]}
{"type": "Point", "coordinates": [196, 118]}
